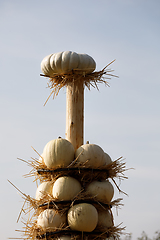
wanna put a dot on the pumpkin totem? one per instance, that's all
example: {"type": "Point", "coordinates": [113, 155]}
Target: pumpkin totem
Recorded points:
{"type": "Point", "coordinates": [74, 198]}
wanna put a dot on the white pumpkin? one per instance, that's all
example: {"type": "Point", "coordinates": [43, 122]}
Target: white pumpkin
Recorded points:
{"type": "Point", "coordinates": [105, 219]}
{"type": "Point", "coordinates": [43, 189]}
{"type": "Point", "coordinates": [103, 191]}
{"type": "Point", "coordinates": [50, 219]}
{"type": "Point", "coordinates": [66, 188]}
{"type": "Point", "coordinates": [83, 217]}
{"type": "Point", "coordinates": [107, 158]}
{"type": "Point", "coordinates": [63, 62]}
{"type": "Point", "coordinates": [92, 154]}
{"type": "Point", "coordinates": [58, 153]}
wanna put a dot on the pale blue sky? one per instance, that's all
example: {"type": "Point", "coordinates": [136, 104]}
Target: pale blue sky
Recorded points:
{"type": "Point", "coordinates": [123, 119]}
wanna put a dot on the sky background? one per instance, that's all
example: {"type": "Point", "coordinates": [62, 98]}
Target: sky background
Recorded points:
{"type": "Point", "coordinates": [124, 119]}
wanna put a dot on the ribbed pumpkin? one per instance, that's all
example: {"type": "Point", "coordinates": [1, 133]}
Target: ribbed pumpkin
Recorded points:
{"type": "Point", "coordinates": [43, 189]}
{"type": "Point", "coordinates": [50, 219]}
{"type": "Point", "coordinates": [103, 191]}
{"type": "Point", "coordinates": [83, 217]}
{"type": "Point", "coordinates": [66, 188]}
{"type": "Point", "coordinates": [63, 62]}
{"type": "Point", "coordinates": [105, 219]}
{"type": "Point", "coordinates": [92, 154]}
{"type": "Point", "coordinates": [58, 153]}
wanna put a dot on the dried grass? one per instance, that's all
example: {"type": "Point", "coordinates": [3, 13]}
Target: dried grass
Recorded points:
{"type": "Point", "coordinates": [58, 81]}
{"type": "Point", "coordinates": [35, 207]}
{"type": "Point", "coordinates": [78, 170]}
{"type": "Point", "coordinates": [35, 233]}
{"type": "Point", "coordinates": [63, 206]}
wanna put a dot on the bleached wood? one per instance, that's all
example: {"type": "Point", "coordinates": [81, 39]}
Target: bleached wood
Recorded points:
{"type": "Point", "coordinates": [75, 113]}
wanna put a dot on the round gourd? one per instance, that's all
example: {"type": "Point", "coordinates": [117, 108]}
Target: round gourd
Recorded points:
{"type": "Point", "coordinates": [92, 154]}
{"type": "Point", "coordinates": [58, 153]}
{"type": "Point", "coordinates": [83, 217]}
{"type": "Point", "coordinates": [105, 219]}
{"type": "Point", "coordinates": [43, 189]}
{"type": "Point", "coordinates": [107, 158]}
{"type": "Point", "coordinates": [103, 191]}
{"type": "Point", "coordinates": [50, 219]}
{"type": "Point", "coordinates": [66, 188]}
{"type": "Point", "coordinates": [63, 62]}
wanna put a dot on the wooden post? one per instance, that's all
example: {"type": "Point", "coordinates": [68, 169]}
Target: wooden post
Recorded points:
{"type": "Point", "coordinates": [75, 113]}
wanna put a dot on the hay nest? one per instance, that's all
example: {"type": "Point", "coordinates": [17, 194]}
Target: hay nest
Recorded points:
{"type": "Point", "coordinates": [114, 232]}
{"type": "Point", "coordinates": [62, 207]}
{"type": "Point", "coordinates": [85, 175]}
{"type": "Point", "coordinates": [33, 208]}
{"type": "Point", "coordinates": [58, 81]}
{"type": "Point", "coordinates": [32, 231]}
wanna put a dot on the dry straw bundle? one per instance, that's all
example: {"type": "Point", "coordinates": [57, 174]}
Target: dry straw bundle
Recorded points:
{"type": "Point", "coordinates": [41, 172]}
{"type": "Point", "coordinates": [60, 80]}
{"type": "Point", "coordinates": [34, 233]}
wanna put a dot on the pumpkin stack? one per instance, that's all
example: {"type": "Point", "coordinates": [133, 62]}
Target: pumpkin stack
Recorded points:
{"type": "Point", "coordinates": [74, 198]}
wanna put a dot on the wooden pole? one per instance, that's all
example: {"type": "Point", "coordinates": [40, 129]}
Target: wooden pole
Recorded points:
{"type": "Point", "coordinates": [75, 113]}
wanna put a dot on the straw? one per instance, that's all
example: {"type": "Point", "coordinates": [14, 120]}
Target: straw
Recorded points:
{"type": "Point", "coordinates": [58, 81]}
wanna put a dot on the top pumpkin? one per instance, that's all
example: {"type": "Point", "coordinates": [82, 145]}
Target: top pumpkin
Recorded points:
{"type": "Point", "coordinates": [63, 62]}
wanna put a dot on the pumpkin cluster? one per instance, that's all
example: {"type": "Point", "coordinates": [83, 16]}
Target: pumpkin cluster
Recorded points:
{"type": "Point", "coordinates": [72, 199]}
{"type": "Point", "coordinates": [74, 196]}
